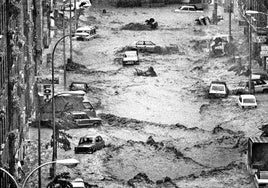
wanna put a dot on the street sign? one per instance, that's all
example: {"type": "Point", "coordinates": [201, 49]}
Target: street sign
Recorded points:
{"type": "Point", "coordinates": [264, 47]}
{"type": "Point", "coordinates": [259, 39]}
{"type": "Point", "coordinates": [41, 80]}
{"type": "Point", "coordinates": [47, 92]}
{"type": "Point", "coordinates": [264, 53]}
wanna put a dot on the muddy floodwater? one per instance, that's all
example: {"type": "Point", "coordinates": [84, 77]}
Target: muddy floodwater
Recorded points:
{"type": "Point", "coordinates": [159, 131]}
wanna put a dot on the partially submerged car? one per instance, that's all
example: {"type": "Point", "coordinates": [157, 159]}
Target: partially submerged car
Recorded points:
{"type": "Point", "coordinates": [257, 163]}
{"type": "Point", "coordinates": [81, 119]}
{"type": "Point", "coordinates": [145, 46]}
{"type": "Point", "coordinates": [130, 58]}
{"type": "Point", "coordinates": [79, 86]}
{"type": "Point", "coordinates": [218, 89]}
{"type": "Point", "coordinates": [85, 33]}
{"type": "Point", "coordinates": [89, 144]}
{"type": "Point", "coordinates": [247, 101]}
{"type": "Point", "coordinates": [187, 9]}
{"type": "Point", "coordinates": [78, 183]}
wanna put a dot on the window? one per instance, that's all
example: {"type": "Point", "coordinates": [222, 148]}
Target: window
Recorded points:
{"type": "Point", "coordinates": [249, 101]}
{"type": "Point", "coordinates": [140, 43]}
{"type": "Point", "coordinates": [87, 105]}
{"type": "Point", "coordinates": [218, 88]}
{"type": "Point", "coordinates": [149, 43]}
{"type": "Point", "coordinates": [98, 139]}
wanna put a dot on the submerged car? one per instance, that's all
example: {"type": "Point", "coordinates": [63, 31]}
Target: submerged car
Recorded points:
{"type": "Point", "coordinates": [187, 9]}
{"type": "Point", "coordinates": [131, 58]}
{"type": "Point", "coordinates": [85, 33]}
{"type": "Point", "coordinates": [78, 183]}
{"type": "Point", "coordinates": [81, 119]}
{"type": "Point", "coordinates": [79, 86]}
{"type": "Point", "coordinates": [145, 46]}
{"type": "Point", "coordinates": [218, 89]}
{"type": "Point", "coordinates": [89, 144]}
{"type": "Point", "coordinates": [247, 101]}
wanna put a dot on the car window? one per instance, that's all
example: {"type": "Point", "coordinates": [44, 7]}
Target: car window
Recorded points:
{"type": "Point", "coordinates": [149, 43]}
{"type": "Point", "coordinates": [80, 116]}
{"type": "Point", "coordinates": [218, 88]}
{"type": "Point", "coordinates": [248, 101]}
{"type": "Point", "coordinates": [78, 86]}
{"type": "Point", "coordinates": [240, 99]}
{"type": "Point", "coordinates": [87, 105]}
{"type": "Point", "coordinates": [139, 43]}
{"type": "Point", "coordinates": [261, 82]}
{"type": "Point", "coordinates": [98, 139]}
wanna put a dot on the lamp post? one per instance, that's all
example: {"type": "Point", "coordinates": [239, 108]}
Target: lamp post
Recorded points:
{"type": "Point", "coordinates": [66, 162]}
{"type": "Point", "coordinates": [54, 155]}
{"type": "Point", "coordinates": [13, 179]}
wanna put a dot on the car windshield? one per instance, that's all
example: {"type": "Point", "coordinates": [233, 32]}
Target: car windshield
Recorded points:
{"type": "Point", "coordinates": [80, 116]}
{"type": "Point", "coordinates": [249, 100]}
{"type": "Point", "coordinates": [217, 88]}
{"type": "Point", "coordinates": [87, 140]}
{"type": "Point", "coordinates": [79, 86]}
{"type": "Point", "coordinates": [87, 105]}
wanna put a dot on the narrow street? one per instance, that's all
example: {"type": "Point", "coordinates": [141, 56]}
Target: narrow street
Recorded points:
{"type": "Point", "coordinates": [197, 142]}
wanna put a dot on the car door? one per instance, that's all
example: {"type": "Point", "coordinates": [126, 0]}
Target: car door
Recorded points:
{"type": "Point", "coordinates": [258, 85]}
{"type": "Point", "coordinates": [262, 85]}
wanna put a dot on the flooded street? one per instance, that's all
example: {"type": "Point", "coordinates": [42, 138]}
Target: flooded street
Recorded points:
{"type": "Point", "coordinates": [194, 141]}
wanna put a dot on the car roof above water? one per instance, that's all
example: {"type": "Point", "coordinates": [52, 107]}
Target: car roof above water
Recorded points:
{"type": "Point", "coordinates": [248, 96]}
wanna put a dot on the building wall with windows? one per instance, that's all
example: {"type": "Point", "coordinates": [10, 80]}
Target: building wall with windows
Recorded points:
{"type": "Point", "coordinates": [16, 80]}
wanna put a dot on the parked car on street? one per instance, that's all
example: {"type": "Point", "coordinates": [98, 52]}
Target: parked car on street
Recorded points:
{"type": "Point", "coordinates": [85, 33]}
{"type": "Point", "coordinates": [131, 57]}
{"type": "Point", "coordinates": [89, 144]}
{"type": "Point", "coordinates": [187, 9]}
{"type": "Point", "coordinates": [247, 101]}
{"type": "Point", "coordinates": [81, 119]}
{"type": "Point", "coordinates": [218, 89]}
{"type": "Point", "coordinates": [79, 86]}
{"type": "Point", "coordinates": [145, 46]}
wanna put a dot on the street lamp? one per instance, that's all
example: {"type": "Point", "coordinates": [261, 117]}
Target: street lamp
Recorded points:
{"type": "Point", "coordinates": [66, 162]}
{"type": "Point", "coordinates": [13, 179]}
{"type": "Point", "coordinates": [54, 155]}
{"type": "Point", "coordinates": [248, 12]}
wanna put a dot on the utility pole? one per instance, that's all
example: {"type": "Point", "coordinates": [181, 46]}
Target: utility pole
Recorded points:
{"type": "Point", "coordinates": [64, 54]}
{"type": "Point", "coordinates": [75, 15]}
{"type": "Point", "coordinates": [38, 61]}
{"type": "Point", "coordinates": [48, 2]}
{"type": "Point", "coordinates": [230, 20]}
{"type": "Point", "coordinates": [249, 41]}
{"type": "Point", "coordinates": [215, 13]}
{"type": "Point", "coordinates": [71, 44]}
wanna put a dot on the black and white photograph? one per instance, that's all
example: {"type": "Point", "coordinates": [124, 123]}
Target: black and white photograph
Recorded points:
{"type": "Point", "coordinates": [133, 94]}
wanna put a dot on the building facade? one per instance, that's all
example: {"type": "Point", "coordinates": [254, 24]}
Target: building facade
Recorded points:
{"type": "Point", "coordinates": [20, 54]}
